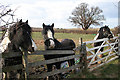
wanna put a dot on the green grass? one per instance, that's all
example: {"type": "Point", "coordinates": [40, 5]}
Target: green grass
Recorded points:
{"type": "Point", "coordinates": [109, 70]}
{"type": "Point", "coordinates": [75, 37]}
{"type": "Point", "coordinates": [60, 36]}
{"type": "Point", "coordinates": [37, 36]}
{"type": "Point", "coordinates": [0, 34]}
{"type": "Point", "coordinates": [86, 37]}
{"type": "Point", "coordinates": [34, 58]}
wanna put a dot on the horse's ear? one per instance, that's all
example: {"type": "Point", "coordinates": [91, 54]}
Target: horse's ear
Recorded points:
{"type": "Point", "coordinates": [26, 22]}
{"type": "Point", "coordinates": [100, 30]}
{"type": "Point", "coordinates": [52, 24]}
{"type": "Point", "coordinates": [43, 24]}
{"type": "Point", "coordinates": [20, 21]}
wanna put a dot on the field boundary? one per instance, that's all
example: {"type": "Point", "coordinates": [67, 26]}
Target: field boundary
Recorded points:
{"type": "Point", "coordinates": [86, 61]}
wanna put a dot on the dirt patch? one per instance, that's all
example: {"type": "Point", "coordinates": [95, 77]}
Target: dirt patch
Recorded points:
{"type": "Point", "coordinates": [39, 42]}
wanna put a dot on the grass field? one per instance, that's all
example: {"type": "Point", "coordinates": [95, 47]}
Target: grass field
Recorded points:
{"type": "Point", "coordinates": [0, 34]}
{"type": "Point", "coordinates": [107, 71]}
{"type": "Point", "coordinates": [38, 38]}
{"type": "Point", "coordinates": [110, 70]}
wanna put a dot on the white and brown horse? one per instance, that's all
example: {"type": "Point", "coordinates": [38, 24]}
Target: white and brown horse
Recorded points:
{"type": "Point", "coordinates": [51, 43]}
{"type": "Point", "coordinates": [104, 32]}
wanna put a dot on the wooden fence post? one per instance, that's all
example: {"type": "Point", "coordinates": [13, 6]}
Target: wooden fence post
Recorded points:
{"type": "Point", "coordinates": [80, 53]}
{"type": "Point", "coordinates": [25, 64]}
{"type": "Point", "coordinates": [83, 57]}
{"type": "Point", "coordinates": [1, 73]}
{"type": "Point", "coordinates": [119, 52]}
{"type": "Point", "coordinates": [119, 46]}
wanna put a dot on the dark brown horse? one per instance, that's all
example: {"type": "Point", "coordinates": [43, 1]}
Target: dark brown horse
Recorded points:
{"type": "Point", "coordinates": [17, 39]}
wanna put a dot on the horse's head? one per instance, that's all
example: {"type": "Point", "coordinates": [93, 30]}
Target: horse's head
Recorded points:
{"type": "Point", "coordinates": [105, 32]}
{"type": "Point", "coordinates": [48, 34]}
{"type": "Point", "coordinates": [20, 36]}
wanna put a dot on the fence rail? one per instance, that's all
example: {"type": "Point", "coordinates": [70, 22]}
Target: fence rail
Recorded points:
{"type": "Point", "coordinates": [26, 65]}
{"type": "Point", "coordinates": [85, 53]}
{"type": "Point", "coordinates": [109, 52]}
{"type": "Point", "coordinates": [50, 52]}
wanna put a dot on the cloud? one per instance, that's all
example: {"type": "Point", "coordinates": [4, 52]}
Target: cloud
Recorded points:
{"type": "Point", "coordinates": [58, 11]}
{"type": "Point", "coordinates": [45, 11]}
{"type": "Point", "coordinates": [112, 22]}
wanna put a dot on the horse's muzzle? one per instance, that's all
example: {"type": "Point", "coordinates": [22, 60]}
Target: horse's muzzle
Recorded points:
{"type": "Point", "coordinates": [31, 49]}
{"type": "Point", "coordinates": [110, 36]}
{"type": "Point", "coordinates": [51, 46]}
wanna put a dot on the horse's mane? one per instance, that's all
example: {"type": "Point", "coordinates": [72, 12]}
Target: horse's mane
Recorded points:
{"type": "Point", "coordinates": [101, 32]}
{"type": "Point", "coordinates": [16, 26]}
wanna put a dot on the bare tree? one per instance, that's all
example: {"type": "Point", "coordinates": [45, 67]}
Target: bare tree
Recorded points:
{"type": "Point", "coordinates": [6, 15]}
{"type": "Point", "coordinates": [84, 17]}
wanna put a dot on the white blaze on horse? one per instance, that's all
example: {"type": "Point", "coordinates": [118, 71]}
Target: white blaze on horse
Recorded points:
{"type": "Point", "coordinates": [50, 36]}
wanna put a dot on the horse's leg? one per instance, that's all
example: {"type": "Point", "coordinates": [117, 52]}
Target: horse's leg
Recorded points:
{"type": "Point", "coordinates": [96, 50]}
{"type": "Point", "coordinates": [13, 61]}
{"type": "Point", "coordinates": [3, 75]}
{"type": "Point", "coordinates": [49, 67]}
{"type": "Point", "coordinates": [71, 62]}
{"type": "Point", "coordinates": [100, 56]}
{"type": "Point", "coordinates": [19, 72]}
{"type": "Point", "coordinates": [95, 45]}
{"type": "Point", "coordinates": [6, 74]}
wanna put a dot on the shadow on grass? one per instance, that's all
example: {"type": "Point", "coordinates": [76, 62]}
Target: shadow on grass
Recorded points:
{"type": "Point", "coordinates": [106, 71]}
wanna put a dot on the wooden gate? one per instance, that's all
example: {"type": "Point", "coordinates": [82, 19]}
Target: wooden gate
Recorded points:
{"type": "Point", "coordinates": [109, 53]}
{"type": "Point", "coordinates": [26, 65]}
{"type": "Point", "coordinates": [85, 53]}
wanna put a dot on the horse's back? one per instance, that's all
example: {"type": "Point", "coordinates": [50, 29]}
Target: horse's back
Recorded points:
{"type": "Point", "coordinates": [68, 44]}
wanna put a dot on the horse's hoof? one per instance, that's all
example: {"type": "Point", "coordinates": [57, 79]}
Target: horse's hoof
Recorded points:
{"type": "Point", "coordinates": [3, 75]}
{"type": "Point", "coordinates": [18, 75]}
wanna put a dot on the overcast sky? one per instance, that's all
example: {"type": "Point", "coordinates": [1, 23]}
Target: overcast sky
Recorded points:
{"type": "Point", "coordinates": [58, 11]}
